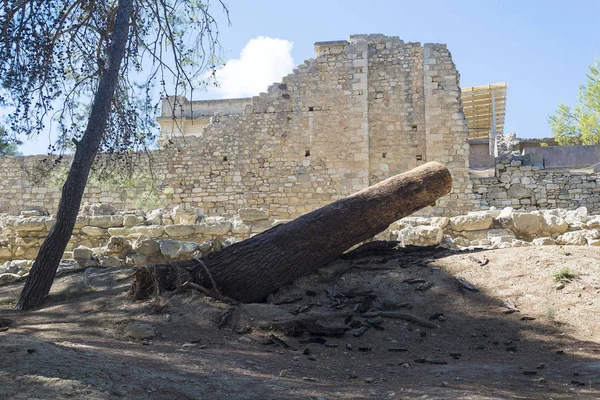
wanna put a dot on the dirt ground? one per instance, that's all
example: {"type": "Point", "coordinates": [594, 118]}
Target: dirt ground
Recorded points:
{"type": "Point", "coordinates": [482, 325]}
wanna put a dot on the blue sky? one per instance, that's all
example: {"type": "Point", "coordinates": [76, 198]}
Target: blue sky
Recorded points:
{"type": "Point", "coordinates": [541, 48]}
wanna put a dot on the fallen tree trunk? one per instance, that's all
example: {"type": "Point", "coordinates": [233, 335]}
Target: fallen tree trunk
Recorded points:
{"type": "Point", "coordinates": [250, 270]}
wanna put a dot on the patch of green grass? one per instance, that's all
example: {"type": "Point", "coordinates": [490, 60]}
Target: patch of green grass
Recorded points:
{"type": "Point", "coordinates": [562, 275]}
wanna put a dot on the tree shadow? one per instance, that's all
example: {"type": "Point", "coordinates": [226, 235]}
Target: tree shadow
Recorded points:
{"type": "Point", "coordinates": [479, 351]}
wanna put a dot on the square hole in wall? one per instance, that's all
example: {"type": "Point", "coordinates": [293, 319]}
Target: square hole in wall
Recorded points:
{"type": "Point", "coordinates": [414, 127]}
{"type": "Point", "coordinates": [225, 158]}
{"type": "Point", "coordinates": [307, 153]}
{"type": "Point", "coordinates": [311, 109]}
{"type": "Point", "coordinates": [419, 157]}
{"type": "Point", "coordinates": [383, 155]}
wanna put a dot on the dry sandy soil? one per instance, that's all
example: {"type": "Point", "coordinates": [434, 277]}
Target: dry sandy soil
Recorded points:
{"type": "Point", "coordinates": [517, 335]}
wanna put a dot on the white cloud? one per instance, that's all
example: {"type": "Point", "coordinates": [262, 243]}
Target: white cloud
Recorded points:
{"type": "Point", "coordinates": [263, 61]}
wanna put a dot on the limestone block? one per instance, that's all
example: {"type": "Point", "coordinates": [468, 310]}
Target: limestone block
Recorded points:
{"type": "Point", "coordinates": [82, 253]}
{"type": "Point", "coordinates": [34, 212]}
{"type": "Point", "coordinates": [219, 243]}
{"type": "Point", "coordinates": [578, 238]}
{"type": "Point", "coordinates": [146, 246]}
{"type": "Point", "coordinates": [499, 240]}
{"type": "Point", "coordinates": [29, 254]}
{"type": "Point", "coordinates": [440, 222]}
{"type": "Point", "coordinates": [186, 215]}
{"type": "Point", "coordinates": [553, 224]}
{"type": "Point", "coordinates": [106, 221]}
{"type": "Point", "coordinates": [81, 221]}
{"type": "Point", "coordinates": [5, 253]}
{"type": "Point", "coordinates": [9, 267]}
{"type": "Point", "coordinates": [174, 249]}
{"type": "Point", "coordinates": [472, 222]}
{"type": "Point", "coordinates": [154, 217]}
{"type": "Point", "coordinates": [118, 245]}
{"type": "Point", "coordinates": [545, 241]}
{"type": "Point", "coordinates": [154, 231]}
{"type": "Point", "coordinates": [179, 230]}
{"type": "Point", "coordinates": [80, 241]}
{"type": "Point", "coordinates": [93, 231]}
{"type": "Point", "coordinates": [261, 226]}
{"type": "Point", "coordinates": [132, 220]}
{"type": "Point", "coordinates": [398, 225]}
{"type": "Point", "coordinates": [519, 243]}
{"type": "Point", "coordinates": [23, 264]}
{"type": "Point", "coordinates": [205, 247]}
{"type": "Point", "coordinates": [461, 242]}
{"type": "Point", "coordinates": [110, 261]}
{"type": "Point", "coordinates": [118, 231]}
{"type": "Point", "coordinates": [593, 223]}
{"type": "Point", "coordinates": [136, 259]}
{"type": "Point", "coordinates": [239, 227]}
{"type": "Point", "coordinates": [577, 218]}
{"type": "Point", "coordinates": [67, 266]}
{"type": "Point", "coordinates": [499, 232]}
{"type": "Point", "coordinates": [422, 235]}
{"type": "Point", "coordinates": [525, 224]}
{"type": "Point", "coordinates": [7, 278]}
{"type": "Point", "coordinates": [253, 214]}
{"type": "Point", "coordinates": [19, 252]}
{"type": "Point", "coordinates": [518, 191]}
{"type": "Point", "coordinates": [474, 235]}
{"type": "Point", "coordinates": [31, 224]}
{"type": "Point", "coordinates": [213, 226]}
{"type": "Point", "coordinates": [19, 267]}
{"type": "Point", "coordinates": [101, 209]}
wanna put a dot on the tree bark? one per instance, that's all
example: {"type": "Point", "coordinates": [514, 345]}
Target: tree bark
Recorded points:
{"type": "Point", "coordinates": [44, 268]}
{"type": "Point", "coordinates": [250, 270]}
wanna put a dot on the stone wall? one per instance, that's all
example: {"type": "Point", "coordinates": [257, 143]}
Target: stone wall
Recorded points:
{"type": "Point", "coordinates": [496, 228]}
{"type": "Point", "coordinates": [104, 230]}
{"type": "Point", "coordinates": [479, 155]}
{"type": "Point", "coordinates": [104, 237]}
{"type": "Point", "coordinates": [565, 156]}
{"type": "Point", "coordinates": [23, 185]}
{"type": "Point", "coordinates": [361, 111]}
{"type": "Point", "coordinates": [532, 188]}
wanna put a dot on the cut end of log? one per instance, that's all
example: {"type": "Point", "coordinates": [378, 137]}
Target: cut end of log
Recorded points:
{"type": "Point", "coordinates": [152, 280]}
{"type": "Point", "coordinates": [144, 284]}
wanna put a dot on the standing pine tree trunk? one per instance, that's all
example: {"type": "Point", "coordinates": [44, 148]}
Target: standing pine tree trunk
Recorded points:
{"type": "Point", "coordinates": [42, 273]}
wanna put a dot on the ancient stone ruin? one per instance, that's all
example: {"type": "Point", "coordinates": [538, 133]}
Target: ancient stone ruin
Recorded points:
{"type": "Point", "coordinates": [361, 111]}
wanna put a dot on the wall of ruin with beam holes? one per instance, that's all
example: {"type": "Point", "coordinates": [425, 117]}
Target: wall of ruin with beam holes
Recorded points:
{"type": "Point", "coordinates": [360, 111]}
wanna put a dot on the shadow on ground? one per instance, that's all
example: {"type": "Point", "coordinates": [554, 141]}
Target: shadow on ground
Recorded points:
{"type": "Point", "coordinates": [75, 347]}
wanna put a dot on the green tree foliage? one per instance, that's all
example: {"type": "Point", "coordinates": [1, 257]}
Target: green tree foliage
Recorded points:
{"type": "Point", "coordinates": [580, 124]}
{"type": "Point", "coordinates": [8, 146]}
